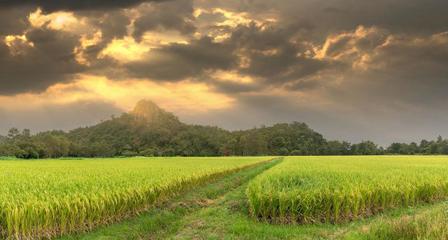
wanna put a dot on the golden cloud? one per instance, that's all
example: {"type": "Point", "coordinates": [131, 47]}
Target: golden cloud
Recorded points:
{"type": "Point", "coordinates": [62, 21]}
{"type": "Point", "coordinates": [218, 30]}
{"type": "Point", "coordinates": [125, 50]}
{"type": "Point", "coordinates": [231, 76]}
{"type": "Point", "coordinates": [357, 47]}
{"type": "Point", "coordinates": [128, 49]}
{"type": "Point", "coordinates": [17, 44]}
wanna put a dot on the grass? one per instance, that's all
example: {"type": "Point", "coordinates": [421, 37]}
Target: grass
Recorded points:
{"type": "Point", "coordinates": [341, 189]}
{"type": "Point", "coordinates": [47, 198]}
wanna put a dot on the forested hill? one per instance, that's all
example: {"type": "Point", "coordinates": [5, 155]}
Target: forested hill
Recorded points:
{"type": "Point", "coordinates": [151, 131]}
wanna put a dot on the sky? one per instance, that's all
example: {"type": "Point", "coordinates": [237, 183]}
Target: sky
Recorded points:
{"type": "Point", "coordinates": [352, 70]}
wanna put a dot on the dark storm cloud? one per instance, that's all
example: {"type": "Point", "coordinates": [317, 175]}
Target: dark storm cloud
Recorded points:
{"type": "Point", "coordinates": [399, 15]}
{"type": "Point", "coordinates": [113, 23]}
{"type": "Point", "coordinates": [13, 21]}
{"type": "Point", "coordinates": [233, 88]}
{"type": "Point", "coordinates": [210, 17]}
{"type": "Point", "coordinates": [171, 15]}
{"type": "Point", "coordinates": [275, 59]}
{"type": "Point", "coordinates": [73, 5]}
{"type": "Point", "coordinates": [51, 59]}
{"type": "Point", "coordinates": [276, 55]}
{"type": "Point", "coordinates": [394, 69]}
{"type": "Point", "coordinates": [272, 53]}
{"type": "Point", "coordinates": [34, 68]}
{"type": "Point", "coordinates": [411, 16]}
{"type": "Point", "coordinates": [282, 67]}
{"type": "Point", "coordinates": [179, 61]}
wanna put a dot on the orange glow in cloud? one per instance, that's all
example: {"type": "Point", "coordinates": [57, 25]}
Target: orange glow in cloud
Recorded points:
{"type": "Point", "coordinates": [17, 44]}
{"type": "Point", "coordinates": [231, 76]}
{"type": "Point", "coordinates": [63, 21]}
{"type": "Point", "coordinates": [127, 49]}
{"type": "Point", "coordinates": [185, 97]}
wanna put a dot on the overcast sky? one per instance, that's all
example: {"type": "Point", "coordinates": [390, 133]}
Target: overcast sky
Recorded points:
{"type": "Point", "coordinates": [352, 70]}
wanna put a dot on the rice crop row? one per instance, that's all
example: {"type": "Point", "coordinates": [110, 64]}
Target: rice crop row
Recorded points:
{"type": "Point", "coordinates": [340, 189]}
{"type": "Point", "coordinates": [46, 198]}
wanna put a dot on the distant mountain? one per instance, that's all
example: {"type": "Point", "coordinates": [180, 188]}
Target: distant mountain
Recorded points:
{"type": "Point", "coordinates": [149, 112]}
{"type": "Point", "coordinates": [147, 109]}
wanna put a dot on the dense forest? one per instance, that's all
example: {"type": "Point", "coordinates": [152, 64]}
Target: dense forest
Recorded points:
{"type": "Point", "coordinates": [151, 131]}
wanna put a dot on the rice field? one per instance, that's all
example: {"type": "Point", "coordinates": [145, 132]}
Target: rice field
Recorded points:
{"type": "Point", "coordinates": [47, 198]}
{"type": "Point", "coordinates": [344, 188]}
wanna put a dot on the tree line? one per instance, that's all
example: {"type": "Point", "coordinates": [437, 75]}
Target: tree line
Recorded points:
{"type": "Point", "coordinates": [150, 131]}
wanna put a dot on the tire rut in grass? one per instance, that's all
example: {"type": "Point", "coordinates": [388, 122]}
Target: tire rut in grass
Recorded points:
{"type": "Point", "coordinates": [199, 224]}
